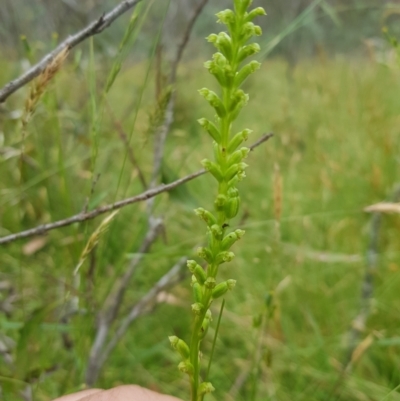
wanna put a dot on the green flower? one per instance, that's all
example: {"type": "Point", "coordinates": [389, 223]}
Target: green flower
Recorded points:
{"type": "Point", "coordinates": [227, 168]}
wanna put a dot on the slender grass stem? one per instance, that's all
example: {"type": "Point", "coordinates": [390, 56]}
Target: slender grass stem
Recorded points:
{"type": "Point", "coordinates": [215, 338]}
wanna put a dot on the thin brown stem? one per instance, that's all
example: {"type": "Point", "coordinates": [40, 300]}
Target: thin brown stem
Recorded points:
{"type": "Point", "coordinates": [81, 217]}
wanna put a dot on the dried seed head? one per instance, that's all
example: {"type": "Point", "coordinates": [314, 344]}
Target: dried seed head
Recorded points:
{"type": "Point", "coordinates": [41, 83]}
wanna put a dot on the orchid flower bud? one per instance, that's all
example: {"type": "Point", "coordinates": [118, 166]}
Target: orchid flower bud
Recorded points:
{"type": "Point", "coordinates": [180, 346]}
{"type": "Point", "coordinates": [216, 231]}
{"type": "Point", "coordinates": [232, 207]}
{"type": "Point", "coordinates": [207, 216]}
{"type": "Point", "coordinates": [238, 97]}
{"type": "Point", "coordinates": [186, 367]}
{"type": "Point", "coordinates": [238, 139]}
{"type": "Point", "coordinates": [210, 283]}
{"type": "Point", "coordinates": [238, 156]}
{"type": "Point", "coordinates": [231, 238]}
{"type": "Point", "coordinates": [238, 101]}
{"type": "Point", "coordinates": [197, 308]}
{"type": "Point", "coordinates": [206, 388]}
{"type": "Point", "coordinates": [246, 71]}
{"type": "Point", "coordinates": [214, 69]}
{"type": "Point", "coordinates": [248, 50]}
{"type": "Point", "coordinates": [222, 288]}
{"type": "Point", "coordinates": [211, 129]}
{"type": "Point", "coordinates": [205, 254]}
{"type": "Point", "coordinates": [249, 30]}
{"type": "Point", "coordinates": [197, 292]}
{"type": "Point", "coordinates": [220, 202]}
{"type": "Point", "coordinates": [213, 168]}
{"type": "Point", "coordinates": [197, 271]}
{"type": "Point", "coordinates": [256, 12]}
{"type": "Point", "coordinates": [223, 43]}
{"type": "Point", "coordinates": [228, 18]}
{"type": "Point", "coordinates": [214, 101]}
{"type": "Point", "coordinates": [225, 256]}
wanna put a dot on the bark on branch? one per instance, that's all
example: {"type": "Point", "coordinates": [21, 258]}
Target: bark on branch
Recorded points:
{"type": "Point", "coordinates": [81, 217]}
{"type": "Point", "coordinates": [92, 29]}
{"type": "Point", "coordinates": [101, 351]}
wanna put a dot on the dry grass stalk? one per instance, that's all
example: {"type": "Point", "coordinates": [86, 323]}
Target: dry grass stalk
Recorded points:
{"type": "Point", "coordinates": [40, 84]}
{"type": "Point", "coordinates": [277, 194]}
{"type": "Point", "coordinates": [277, 190]}
{"type": "Point", "coordinates": [383, 207]}
{"type": "Point", "coordinates": [360, 350]}
{"type": "Point", "coordinates": [73, 303]}
{"type": "Point", "coordinates": [94, 239]}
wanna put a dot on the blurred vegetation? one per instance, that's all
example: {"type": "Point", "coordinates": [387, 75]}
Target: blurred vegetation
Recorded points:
{"type": "Point", "coordinates": [334, 26]}
{"type": "Point", "coordinates": [336, 150]}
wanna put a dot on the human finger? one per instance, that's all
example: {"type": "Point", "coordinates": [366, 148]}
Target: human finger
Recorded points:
{"type": "Point", "coordinates": [127, 393]}
{"type": "Point", "coordinates": [78, 396]}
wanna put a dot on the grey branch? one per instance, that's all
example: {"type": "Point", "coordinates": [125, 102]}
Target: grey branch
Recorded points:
{"type": "Point", "coordinates": [159, 145]}
{"type": "Point", "coordinates": [185, 39]}
{"type": "Point", "coordinates": [367, 290]}
{"type": "Point", "coordinates": [92, 29]}
{"type": "Point", "coordinates": [175, 275]}
{"type": "Point", "coordinates": [81, 217]}
{"type": "Point", "coordinates": [114, 302]}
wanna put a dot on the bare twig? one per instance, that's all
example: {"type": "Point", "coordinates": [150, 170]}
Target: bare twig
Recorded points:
{"type": "Point", "coordinates": [161, 138]}
{"type": "Point", "coordinates": [81, 217]}
{"type": "Point", "coordinates": [146, 304]}
{"type": "Point", "coordinates": [359, 322]}
{"type": "Point", "coordinates": [92, 29]}
{"type": "Point", "coordinates": [185, 39]}
{"type": "Point", "coordinates": [112, 305]}
{"type": "Point", "coordinates": [114, 302]}
{"type": "Point", "coordinates": [264, 138]}
{"type": "Point", "coordinates": [100, 350]}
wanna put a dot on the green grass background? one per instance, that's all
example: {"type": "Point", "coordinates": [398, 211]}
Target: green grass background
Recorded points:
{"type": "Point", "coordinates": [337, 144]}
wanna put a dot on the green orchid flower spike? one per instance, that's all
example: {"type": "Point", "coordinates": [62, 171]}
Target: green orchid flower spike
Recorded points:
{"type": "Point", "coordinates": [228, 169]}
